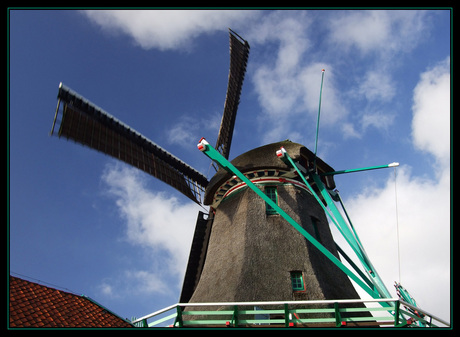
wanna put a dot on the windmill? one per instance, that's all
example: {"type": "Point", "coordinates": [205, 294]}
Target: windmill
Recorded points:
{"type": "Point", "coordinates": [244, 249]}
{"type": "Point", "coordinates": [78, 119]}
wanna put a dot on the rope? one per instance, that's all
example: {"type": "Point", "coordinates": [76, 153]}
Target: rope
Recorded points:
{"type": "Point", "coordinates": [397, 227]}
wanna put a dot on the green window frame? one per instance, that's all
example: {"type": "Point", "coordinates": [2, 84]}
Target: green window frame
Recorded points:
{"type": "Point", "coordinates": [272, 193]}
{"type": "Point", "coordinates": [297, 281]}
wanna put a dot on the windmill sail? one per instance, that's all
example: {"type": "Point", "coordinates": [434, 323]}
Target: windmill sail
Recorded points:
{"type": "Point", "coordinates": [87, 124]}
{"type": "Point", "coordinates": [239, 53]}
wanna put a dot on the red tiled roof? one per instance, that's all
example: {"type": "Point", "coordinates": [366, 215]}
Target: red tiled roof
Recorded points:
{"type": "Point", "coordinates": [35, 305]}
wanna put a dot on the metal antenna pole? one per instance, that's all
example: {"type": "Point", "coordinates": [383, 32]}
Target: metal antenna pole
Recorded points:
{"type": "Point", "coordinates": [319, 113]}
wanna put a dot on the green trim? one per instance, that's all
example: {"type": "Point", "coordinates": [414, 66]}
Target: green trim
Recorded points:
{"type": "Point", "coordinates": [235, 317]}
{"type": "Point", "coordinates": [178, 321]}
{"type": "Point", "coordinates": [338, 317]}
{"type": "Point", "coordinates": [272, 193]}
{"type": "Point", "coordinates": [161, 320]}
{"type": "Point", "coordinates": [286, 315]}
{"type": "Point", "coordinates": [297, 281]}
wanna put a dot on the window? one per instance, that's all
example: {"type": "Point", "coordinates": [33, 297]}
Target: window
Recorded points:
{"type": "Point", "coordinates": [297, 281]}
{"type": "Point", "coordinates": [272, 193]}
{"type": "Point", "coordinates": [315, 221]}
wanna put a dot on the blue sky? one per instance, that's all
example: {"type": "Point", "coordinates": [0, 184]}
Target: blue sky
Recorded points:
{"type": "Point", "coordinates": [83, 221]}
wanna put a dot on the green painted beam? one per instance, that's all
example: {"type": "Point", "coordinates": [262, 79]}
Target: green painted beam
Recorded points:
{"type": "Point", "coordinates": [340, 223]}
{"type": "Point", "coordinates": [375, 278]}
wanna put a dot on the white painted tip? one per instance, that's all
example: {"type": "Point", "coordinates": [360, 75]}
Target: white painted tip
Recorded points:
{"type": "Point", "coordinates": [393, 164]}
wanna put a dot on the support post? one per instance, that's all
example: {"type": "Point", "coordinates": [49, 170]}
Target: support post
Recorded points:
{"type": "Point", "coordinates": [178, 321]}
{"type": "Point", "coordinates": [338, 317]}
{"type": "Point", "coordinates": [286, 315]}
{"type": "Point", "coordinates": [397, 303]}
{"type": "Point", "coordinates": [235, 316]}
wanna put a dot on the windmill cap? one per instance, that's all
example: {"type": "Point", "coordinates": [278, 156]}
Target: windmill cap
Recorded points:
{"type": "Point", "coordinates": [263, 157]}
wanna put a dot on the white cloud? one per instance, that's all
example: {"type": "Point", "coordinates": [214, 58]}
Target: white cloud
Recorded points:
{"type": "Point", "coordinates": [431, 122]}
{"type": "Point", "coordinates": [286, 84]}
{"type": "Point", "coordinates": [291, 100]}
{"type": "Point", "coordinates": [107, 289]}
{"type": "Point", "coordinates": [332, 107]}
{"type": "Point", "coordinates": [378, 31]}
{"type": "Point", "coordinates": [424, 219]}
{"type": "Point", "coordinates": [276, 79]}
{"type": "Point", "coordinates": [148, 282]}
{"type": "Point", "coordinates": [423, 206]}
{"type": "Point", "coordinates": [167, 29]}
{"type": "Point", "coordinates": [185, 130]}
{"type": "Point", "coordinates": [377, 85]}
{"type": "Point", "coordinates": [365, 30]}
{"type": "Point", "coordinates": [348, 131]}
{"type": "Point", "coordinates": [379, 120]}
{"type": "Point", "coordinates": [373, 42]}
{"type": "Point", "coordinates": [288, 29]}
{"type": "Point", "coordinates": [377, 89]}
{"type": "Point", "coordinates": [156, 221]}
{"type": "Point", "coordinates": [136, 282]}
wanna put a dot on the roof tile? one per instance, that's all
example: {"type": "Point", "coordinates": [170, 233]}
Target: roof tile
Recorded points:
{"type": "Point", "coordinates": [35, 305]}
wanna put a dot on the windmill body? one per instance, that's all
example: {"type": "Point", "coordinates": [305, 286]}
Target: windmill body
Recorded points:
{"type": "Point", "coordinates": [252, 253]}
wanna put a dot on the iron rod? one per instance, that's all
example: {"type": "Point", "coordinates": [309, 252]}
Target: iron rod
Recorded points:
{"type": "Point", "coordinates": [359, 169]}
{"type": "Point", "coordinates": [319, 113]}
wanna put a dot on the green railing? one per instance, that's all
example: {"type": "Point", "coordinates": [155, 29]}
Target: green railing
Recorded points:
{"type": "Point", "coordinates": [327, 313]}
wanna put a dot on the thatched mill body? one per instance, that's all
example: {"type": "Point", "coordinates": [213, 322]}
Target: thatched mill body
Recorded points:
{"type": "Point", "coordinates": [247, 252]}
